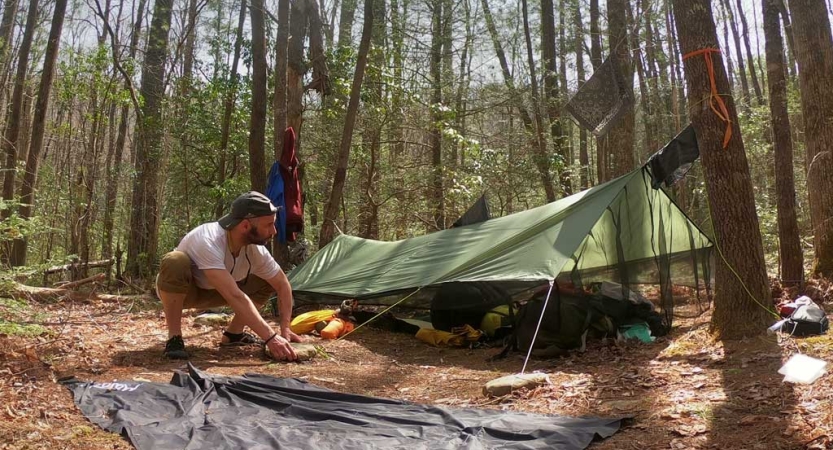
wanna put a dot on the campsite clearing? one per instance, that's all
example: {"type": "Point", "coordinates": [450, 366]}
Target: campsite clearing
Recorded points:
{"type": "Point", "coordinates": [684, 390]}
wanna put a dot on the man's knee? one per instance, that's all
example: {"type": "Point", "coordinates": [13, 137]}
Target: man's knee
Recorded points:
{"type": "Point", "coordinates": [174, 273]}
{"type": "Point", "coordinates": [258, 290]}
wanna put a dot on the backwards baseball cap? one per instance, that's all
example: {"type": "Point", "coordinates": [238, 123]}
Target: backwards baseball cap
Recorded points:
{"type": "Point", "coordinates": [247, 206]}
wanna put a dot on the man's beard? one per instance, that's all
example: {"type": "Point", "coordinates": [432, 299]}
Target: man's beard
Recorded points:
{"type": "Point", "coordinates": [255, 238]}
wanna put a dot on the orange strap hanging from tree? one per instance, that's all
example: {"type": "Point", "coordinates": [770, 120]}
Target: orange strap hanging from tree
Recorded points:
{"type": "Point", "coordinates": [723, 112]}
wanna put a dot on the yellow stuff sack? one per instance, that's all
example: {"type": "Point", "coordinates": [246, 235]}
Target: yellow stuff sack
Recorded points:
{"type": "Point", "coordinates": [305, 323]}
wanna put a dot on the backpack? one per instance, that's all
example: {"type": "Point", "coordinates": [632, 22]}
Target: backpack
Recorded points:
{"type": "Point", "coordinates": [807, 320]}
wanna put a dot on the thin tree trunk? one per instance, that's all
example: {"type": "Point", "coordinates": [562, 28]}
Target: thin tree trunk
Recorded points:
{"type": "Point", "coordinates": [644, 96]}
{"type": "Point", "coordinates": [27, 189]}
{"type": "Point", "coordinates": [788, 30]}
{"type": "Point", "coordinates": [729, 16]}
{"type": "Point", "coordinates": [6, 28]}
{"type": "Point", "coordinates": [583, 157]}
{"type": "Point", "coordinates": [114, 172]}
{"type": "Point", "coordinates": [727, 56]}
{"type": "Point", "coordinates": [728, 183]}
{"type": "Point", "coordinates": [792, 261]}
{"type": "Point", "coordinates": [602, 153]}
{"type": "Point", "coordinates": [345, 23]}
{"type": "Point", "coordinates": [332, 207]}
{"type": "Point", "coordinates": [814, 53]}
{"type": "Point", "coordinates": [551, 92]}
{"type": "Point", "coordinates": [516, 96]}
{"type": "Point", "coordinates": [144, 220]}
{"type": "Point", "coordinates": [12, 132]}
{"type": "Point", "coordinates": [297, 68]}
{"type": "Point", "coordinates": [565, 174]}
{"type": "Point", "coordinates": [435, 69]}
{"type": "Point", "coordinates": [257, 126]}
{"type": "Point", "coordinates": [228, 107]}
{"type": "Point", "coordinates": [749, 56]}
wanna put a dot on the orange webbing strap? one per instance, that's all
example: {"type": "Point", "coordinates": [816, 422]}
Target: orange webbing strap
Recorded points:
{"type": "Point", "coordinates": [723, 113]}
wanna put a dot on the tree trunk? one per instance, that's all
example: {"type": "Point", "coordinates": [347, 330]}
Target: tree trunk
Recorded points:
{"type": "Point", "coordinates": [516, 97]}
{"type": "Point", "coordinates": [297, 67]}
{"type": "Point", "coordinates": [602, 153]}
{"type": "Point", "coordinates": [334, 202]}
{"type": "Point", "coordinates": [740, 266]}
{"type": "Point", "coordinates": [279, 104]}
{"type": "Point", "coordinates": [729, 16]}
{"type": "Point", "coordinates": [144, 220]}
{"type": "Point", "coordinates": [114, 172]}
{"type": "Point", "coordinates": [345, 23]}
{"type": "Point", "coordinates": [814, 53]}
{"type": "Point", "coordinates": [749, 56]}
{"type": "Point", "coordinates": [552, 93]}
{"type": "Point", "coordinates": [257, 125]}
{"type": "Point", "coordinates": [788, 30]}
{"type": "Point", "coordinates": [727, 56]}
{"type": "Point", "coordinates": [27, 189]}
{"type": "Point", "coordinates": [318, 59]}
{"type": "Point", "coordinates": [228, 107]}
{"type": "Point", "coordinates": [583, 157]}
{"type": "Point", "coordinates": [644, 96]}
{"type": "Point", "coordinates": [435, 69]}
{"type": "Point", "coordinates": [12, 132]}
{"type": "Point", "coordinates": [620, 137]}
{"type": "Point", "coordinates": [792, 261]}
{"type": "Point", "coordinates": [6, 29]}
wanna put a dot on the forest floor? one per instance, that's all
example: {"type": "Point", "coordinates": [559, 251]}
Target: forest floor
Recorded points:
{"type": "Point", "coordinates": [684, 391]}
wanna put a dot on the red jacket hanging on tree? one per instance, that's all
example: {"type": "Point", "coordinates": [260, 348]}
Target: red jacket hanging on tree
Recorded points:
{"type": "Point", "coordinates": [292, 186]}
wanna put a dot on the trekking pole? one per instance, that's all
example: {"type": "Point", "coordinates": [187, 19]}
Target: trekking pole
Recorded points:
{"type": "Point", "coordinates": [538, 327]}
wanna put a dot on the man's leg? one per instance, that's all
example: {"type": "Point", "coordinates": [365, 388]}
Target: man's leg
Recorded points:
{"type": "Point", "coordinates": [172, 285]}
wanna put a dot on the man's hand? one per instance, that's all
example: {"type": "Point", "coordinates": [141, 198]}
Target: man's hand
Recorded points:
{"type": "Point", "coordinates": [280, 349]}
{"type": "Point", "coordinates": [290, 336]}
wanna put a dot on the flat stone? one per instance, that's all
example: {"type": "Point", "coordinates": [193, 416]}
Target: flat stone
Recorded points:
{"type": "Point", "coordinates": [213, 319]}
{"type": "Point", "coordinates": [509, 383]}
{"type": "Point", "coordinates": [305, 352]}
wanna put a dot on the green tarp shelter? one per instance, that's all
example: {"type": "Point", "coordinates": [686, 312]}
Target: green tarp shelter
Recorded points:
{"type": "Point", "coordinates": [623, 231]}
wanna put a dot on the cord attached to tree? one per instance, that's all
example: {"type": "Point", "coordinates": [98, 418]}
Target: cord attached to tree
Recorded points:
{"type": "Point", "coordinates": [723, 112]}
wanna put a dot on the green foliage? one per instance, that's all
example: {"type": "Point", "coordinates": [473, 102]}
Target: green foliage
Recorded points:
{"type": "Point", "coordinates": [15, 318]}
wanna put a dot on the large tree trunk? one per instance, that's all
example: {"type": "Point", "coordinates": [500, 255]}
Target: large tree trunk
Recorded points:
{"type": "Point", "coordinates": [749, 56]}
{"type": "Point", "coordinates": [297, 67]}
{"type": "Point", "coordinates": [742, 296]}
{"type": "Point", "coordinates": [814, 53]}
{"type": "Point", "coordinates": [114, 170]}
{"type": "Point", "coordinates": [334, 202]}
{"type": "Point", "coordinates": [583, 156]}
{"type": "Point", "coordinates": [12, 132]}
{"type": "Point", "coordinates": [27, 197]}
{"type": "Point", "coordinates": [345, 23]}
{"type": "Point", "coordinates": [552, 93]}
{"type": "Point", "coordinates": [280, 249]}
{"type": "Point", "coordinates": [619, 139]}
{"type": "Point", "coordinates": [257, 125]}
{"type": "Point", "coordinates": [228, 107]}
{"type": "Point", "coordinates": [144, 220]}
{"type": "Point", "coordinates": [792, 261]}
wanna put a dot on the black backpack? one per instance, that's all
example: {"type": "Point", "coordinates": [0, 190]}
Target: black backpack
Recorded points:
{"type": "Point", "coordinates": [806, 320]}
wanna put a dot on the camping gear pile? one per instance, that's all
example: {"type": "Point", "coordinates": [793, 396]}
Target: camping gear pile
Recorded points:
{"type": "Point", "coordinates": [624, 232]}
{"type": "Point", "coordinates": [801, 317]}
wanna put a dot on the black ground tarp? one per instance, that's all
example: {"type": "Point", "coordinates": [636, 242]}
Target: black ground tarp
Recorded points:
{"type": "Point", "coordinates": [200, 411]}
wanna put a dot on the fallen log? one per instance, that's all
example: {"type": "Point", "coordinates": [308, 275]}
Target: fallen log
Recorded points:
{"type": "Point", "coordinates": [73, 284]}
{"type": "Point", "coordinates": [90, 264]}
{"type": "Point", "coordinates": [47, 294]}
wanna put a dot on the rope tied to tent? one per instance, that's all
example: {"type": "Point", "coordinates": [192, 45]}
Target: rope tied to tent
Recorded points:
{"type": "Point", "coordinates": [714, 97]}
{"type": "Point", "coordinates": [538, 327]}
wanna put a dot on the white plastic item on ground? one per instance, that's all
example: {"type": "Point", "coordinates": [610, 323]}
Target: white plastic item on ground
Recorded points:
{"type": "Point", "coordinates": [803, 369]}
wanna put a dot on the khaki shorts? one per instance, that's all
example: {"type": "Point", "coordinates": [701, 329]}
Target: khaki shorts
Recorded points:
{"type": "Point", "coordinates": [175, 276]}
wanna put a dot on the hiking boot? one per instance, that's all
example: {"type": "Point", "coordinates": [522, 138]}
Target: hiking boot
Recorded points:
{"type": "Point", "coordinates": [175, 348]}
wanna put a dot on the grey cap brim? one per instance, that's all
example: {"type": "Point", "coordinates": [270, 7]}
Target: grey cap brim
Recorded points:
{"type": "Point", "coordinates": [228, 222]}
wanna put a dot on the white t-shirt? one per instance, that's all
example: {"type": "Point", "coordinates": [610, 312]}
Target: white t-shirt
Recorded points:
{"type": "Point", "coordinates": [207, 246]}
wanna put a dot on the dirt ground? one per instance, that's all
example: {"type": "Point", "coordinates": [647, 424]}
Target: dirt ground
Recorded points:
{"type": "Point", "coordinates": [684, 391]}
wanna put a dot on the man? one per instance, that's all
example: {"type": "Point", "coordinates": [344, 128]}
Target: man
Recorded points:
{"type": "Point", "coordinates": [225, 263]}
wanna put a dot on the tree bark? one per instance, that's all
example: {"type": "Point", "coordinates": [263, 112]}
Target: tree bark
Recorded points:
{"type": "Point", "coordinates": [644, 95]}
{"type": "Point", "coordinates": [12, 132]}
{"type": "Point", "coordinates": [552, 93]}
{"type": "Point", "coordinates": [583, 158]}
{"type": "Point", "coordinates": [257, 124]}
{"type": "Point", "coordinates": [114, 172]}
{"type": "Point", "coordinates": [297, 67]}
{"type": "Point", "coordinates": [144, 220]}
{"type": "Point", "coordinates": [729, 16]}
{"type": "Point", "coordinates": [602, 153]}
{"type": "Point", "coordinates": [788, 30]}
{"type": "Point", "coordinates": [27, 189]}
{"type": "Point", "coordinates": [792, 261]}
{"type": "Point", "coordinates": [516, 97]}
{"type": "Point", "coordinates": [345, 23]}
{"type": "Point", "coordinates": [620, 138]}
{"type": "Point", "coordinates": [228, 107]}
{"type": "Point", "coordinates": [814, 54]}
{"type": "Point", "coordinates": [749, 56]}
{"type": "Point", "coordinates": [334, 202]}
{"type": "Point", "coordinates": [6, 29]}
{"type": "Point", "coordinates": [437, 194]}
{"type": "Point", "coordinates": [728, 183]}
